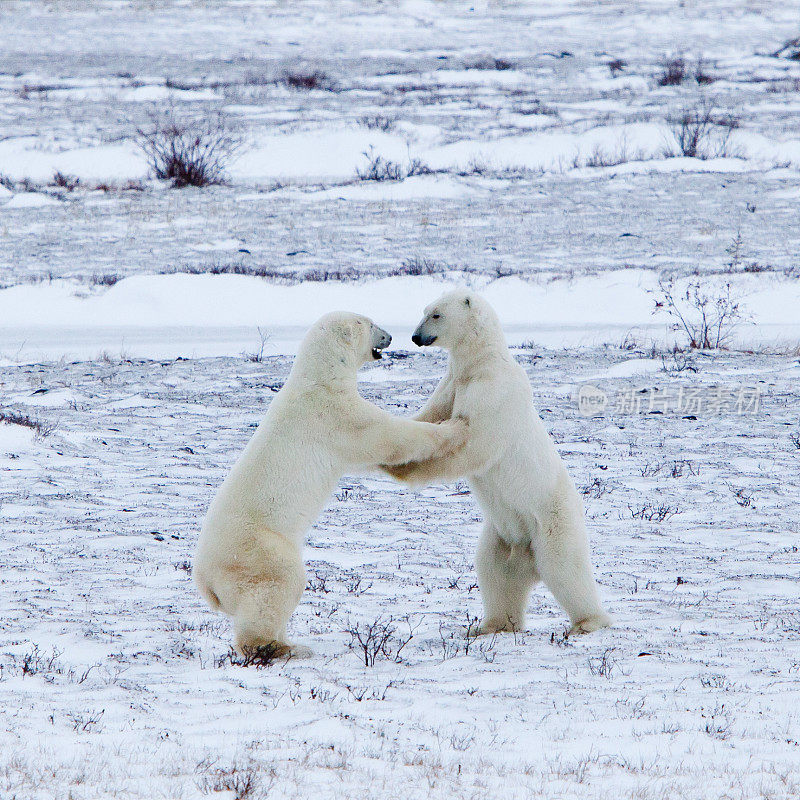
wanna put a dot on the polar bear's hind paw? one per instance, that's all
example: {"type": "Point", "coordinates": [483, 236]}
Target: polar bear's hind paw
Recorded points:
{"type": "Point", "coordinates": [488, 627]}
{"type": "Point", "coordinates": [300, 651]}
{"type": "Point", "coordinates": [591, 624]}
{"type": "Point", "coordinates": [264, 655]}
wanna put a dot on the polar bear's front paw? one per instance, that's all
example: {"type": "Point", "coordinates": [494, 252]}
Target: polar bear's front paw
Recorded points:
{"type": "Point", "coordinates": [591, 623]}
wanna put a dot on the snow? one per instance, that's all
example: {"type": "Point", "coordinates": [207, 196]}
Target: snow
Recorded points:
{"type": "Point", "coordinates": [135, 329]}
{"type": "Point", "coordinates": [15, 440]}
{"type": "Point", "coordinates": [630, 368]}
{"type": "Point", "coordinates": [315, 155]}
{"type": "Point", "coordinates": [30, 200]}
{"type": "Point", "coordinates": [418, 188]}
{"type": "Point", "coordinates": [697, 672]}
{"type": "Point", "coordinates": [21, 158]}
{"type": "Point", "coordinates": [150, 94]}
{"type": "Point", "coordinates": [608, 303]}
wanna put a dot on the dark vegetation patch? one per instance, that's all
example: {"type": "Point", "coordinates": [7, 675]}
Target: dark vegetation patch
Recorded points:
{"type": "Point", "coordinates": [676, 70]}
{"type": "Point", "coordinates": [24, 421]}
{"type": "Point", "coordinates": [189, 152]}
{"type": "Point", "coordinates": [499, 64]}
{"type": "Point", "coordinates": [412, 266]}
{"type": "Point", "coordinates": [306, 80]}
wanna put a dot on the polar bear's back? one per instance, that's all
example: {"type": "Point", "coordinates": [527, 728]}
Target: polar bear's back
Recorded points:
{"type": "Point", "coordinates": [283, 477]}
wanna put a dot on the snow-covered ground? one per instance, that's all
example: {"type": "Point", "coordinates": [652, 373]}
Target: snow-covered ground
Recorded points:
{"type": "Point", "coordinates": [694, 693]}
{"type": "Point", "coordinates": [131, 314]}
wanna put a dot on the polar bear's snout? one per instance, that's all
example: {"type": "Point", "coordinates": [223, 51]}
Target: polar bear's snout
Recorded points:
{"type": "Point", "coordinates": [380, 341]}
{"type": "Point", "coordinates": [421, 337]}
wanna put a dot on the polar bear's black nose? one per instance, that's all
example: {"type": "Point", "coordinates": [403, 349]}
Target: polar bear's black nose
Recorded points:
{"type": "Point", "coordinates": [385, 338]}
{"type": "Point", "coordinates": [417, 339]}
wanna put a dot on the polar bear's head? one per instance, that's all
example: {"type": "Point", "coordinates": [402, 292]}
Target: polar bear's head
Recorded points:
{"type": "Point", "coordinates": [457, 319]}
{"type": "Point", "coordinates": [345, 339]}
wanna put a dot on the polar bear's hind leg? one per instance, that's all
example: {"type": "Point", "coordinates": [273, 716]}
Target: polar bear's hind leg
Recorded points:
{"type": "Point", "coordinates": [563, 563]}
{"type": "Point", "coordinates": [506, 576]}
{"type": "Point", "coordinates": [263, 600]}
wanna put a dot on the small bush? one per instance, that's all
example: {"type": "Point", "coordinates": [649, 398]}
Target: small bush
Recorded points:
{"type": "Point", "coordinates": [86, 723]}
{"type": "Point", "coordinates": [382, 169]}
{"type": "Point", "coordinates": [596, 488]}
{"type": "Point", "coordinates": [789, 49]}
{"type": "Point", "coordinates": [378, 123]}
{"type": "Point", "coordinates": [654, 513]}
{"type": "Point", "coordinates": [698, 133]}
{"type": "Point", "coordinates": [717, 722]}
{"type": "Point", "coordinates": [13, 418]}
{"type": "Point", "coordinates": [258, 355]}
{"type": "Point", "coordinates": [674, 72]}
{"type": "Point", "coordinates": [742, 497]}
{"type": "Point", "coordinates": [243, 780]}
{"type": "Point", "coordinates": [707, 319]}
{"type": "Point", "coordinates": [68, 182]}
{"type": "Point", "coordinates": [621, 154]}
{"type": "Point", "coordinates": [691, 129]}
{"type": "Point", "coordinates": [378, 639]}
{"type": "Point", "coordinates": [417, 167]}
{"type": "Point", "coordinates": [734, 250]}
{"type": "Point", "coordinates": [499, 64]}
{"type": "Point", "coordinates": [700, 75]}
{"type": "Point", "coordinates": [617, 65]}
{"type": "Point", "coordinates": [106, 279]}
{"type": "Point", "coordinates": [417, 266]}
{"type": "Point", "coordinates": [306, 80]}
{"type": "Point", "coordinates": [681, 362]}
{"type": "Point", "coordinates": [464, 641]}
{"type": "Point", "coordinates": [33, 662]}
{"type": "Point", "coordinates": [604, 665]}
{"type": "Point", "coordinates": [189, 152]}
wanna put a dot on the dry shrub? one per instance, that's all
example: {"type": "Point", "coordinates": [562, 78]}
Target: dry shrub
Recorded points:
{"type": "Point", "coordinates": [189, 152]}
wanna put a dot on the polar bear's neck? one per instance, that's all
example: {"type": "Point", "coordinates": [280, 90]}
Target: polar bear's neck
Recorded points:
{"type": "Point", "coordinates": [478, 348]}
{"type": "Point", "coordinates": [469, 363]}
{"type": "Point", "coordinates": [316, 366]}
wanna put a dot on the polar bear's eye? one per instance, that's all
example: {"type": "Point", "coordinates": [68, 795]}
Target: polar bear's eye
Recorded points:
{"type": "Point", "coordinates": [435, 316]}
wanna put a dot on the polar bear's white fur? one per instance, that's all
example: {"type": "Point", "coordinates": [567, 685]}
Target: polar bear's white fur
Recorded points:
{"type": "Point", "coordinates": [534, 526]}
{"type": "Point", "coordinates": [248, 562]}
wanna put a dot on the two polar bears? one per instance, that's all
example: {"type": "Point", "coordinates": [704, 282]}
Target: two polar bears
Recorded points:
{"type": "Point", "coordinates": [318, 427]}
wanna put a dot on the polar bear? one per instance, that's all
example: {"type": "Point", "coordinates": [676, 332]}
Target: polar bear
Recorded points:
{"type": "Point", "coordinates": [248, 562]}
{"type": "Point", "coordinates": [534, 527]}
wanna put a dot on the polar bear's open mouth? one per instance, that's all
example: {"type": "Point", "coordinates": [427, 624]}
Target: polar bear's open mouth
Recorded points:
{"type": "Point", "coordinates": [376, 354]}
